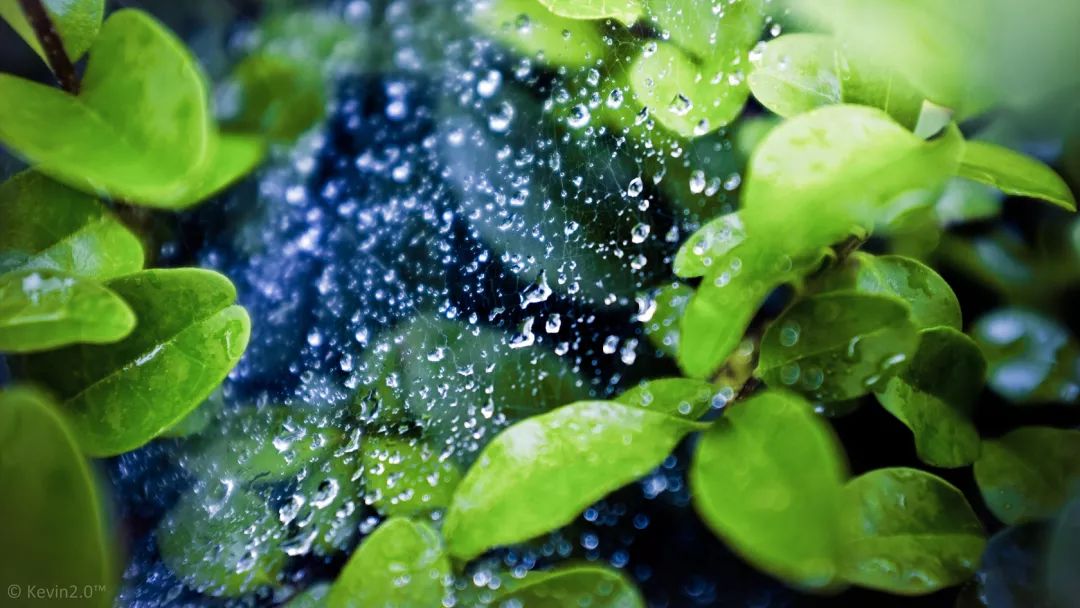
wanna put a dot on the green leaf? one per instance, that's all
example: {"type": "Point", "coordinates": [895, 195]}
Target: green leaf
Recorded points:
{"type": "Point", "coordinates": [120, 396]}
{"type": "Point", "coordinates": [662, 312]}
{"type": "Point", "coordinates": [222, 540]}
{"type": "Point", "coordinates": [402, 563]}
{"type": "Point", "coordinates": [45, 225]}
{"type": "Point", "coordinates": [623, 11]}
{"type": "Point", "coordinates": [910, 533]}
{"type": "Point", "coordinates": [234, 156]}
{"type": "Point", "coordinates": [539, 474]}
{"type": "Point", "coordinates": [40, 310]}
{"type": "Point", "coordinates": [1014, 173]}
{"type": "Point", "coordinates": [534, 31]}
{"type": "Point", "coordinates": [935, 395]}
{"type": "Point", "coordinates": [1062, 555]}
{"type": "Point", "coordinates": [140, 129]}
{"type": "Point", "coordinates": [813, 181]}
{"type": "Point", "coordinates": [708, 245]}
{"type": "Point", "coordinates": [680, 397]}
{"type": "Point", "coordinates": [1032, 358]}
{"type": "Point", "coordinates": [584, 585]}
{"type": "Point", "coordinates": [707, 30]}
{"type": "Point", "coordinates": [1028, 474]}
{"type": "Point", "coordinates": [786, 468]}
{"type": "Point", "coordinates": [312, 597]}
{"type": "Point", "coordinates": [76, 23]}
{"type": "Point", "coordinates": [54, 536]}
{"type": "Point", "coordinates": [276, 97]}
{"type": "Point", "coordinates": [837, 346]}
{"type": "Point", "coordinates": [797, 73]}
{"type": "Point", "coordinates": [932, 301]}
{"type": "Point", "coordinates": [404, 477]}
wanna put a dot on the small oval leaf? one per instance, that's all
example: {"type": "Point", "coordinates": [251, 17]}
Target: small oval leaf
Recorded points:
{"type": "Point", "coordinates": [1014, 173]}
{"type": "Point", "coordinates": [585, 585]}
{"type": "Point", "coordinates": [682, 397]}
{"type": "Point", "coordinates": [1028, 474]}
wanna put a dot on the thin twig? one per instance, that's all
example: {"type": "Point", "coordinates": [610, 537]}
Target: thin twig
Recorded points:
{"type": "Point", "coordinates": [50, 41]}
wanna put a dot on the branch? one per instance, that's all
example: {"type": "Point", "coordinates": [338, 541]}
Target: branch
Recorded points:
{"type": "Point", "coordinates": [50, 41]}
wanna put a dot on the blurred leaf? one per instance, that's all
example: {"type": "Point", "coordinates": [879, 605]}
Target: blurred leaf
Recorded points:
{"type": "Point", "coordinates": [76, 23]}
{"type": "Point", "coordinates": [199, 419]}
{"type": "Point", "coordinates": [932, 301]}
{"type": "Point", "coordinates": [406, 477]}
{"type": "Point", "coordinates": [1031, 358]}
{"type": "Point", "coordinates": [706, 29]}
{"type": "Point", "coordinates": [234, 156]}
{"type": "Point", "coordinates": [797, 73]}
{"type": "Point", "coordinates": [276, 97]}
{"type": "Point", "coordinates": [911, 533]}
{"type": "Point", "coordinates": [312, 597]}
{"type": "Point", "coordinates": [41, 310]}
{"type": "Point", "coordinates": [1011, 573]}
{"type": "Point", "coordinates": [1028, 474]}
{"type": "Point", "coordinates": [935, 395]}
{"type": "Point", "coordinates": [1014, 173]}
{"type": "Point", "coordinates": [45, 225]}
{"type": "Point", "coordinates": [708, 245]}
{"type": "Point", "coordinates": [967, 201]}
{"type": "Point", "coordinates": [323, 514]}
{"type": "Point", "coordinates": [662, 325]}
{"type": "Point", "coordinates": [1063, 554]}
{"type": "Point", "coordinates": [54, 536]}
{"type": "Point", "coordinates": [402, 563]}
{"type": "Point", "coordinates": [532, 30]}
{"type": "Point", "coordinates": [786, 467]}
{"type": "Point", "coordinates": [837, 346]}
{"type": "Point", "coordinates": [624, 11]}
{"type": "Point", "coordinates": [539, 474]}
{"type": "Point", "coordinates": [681, 397]}
{"type": "Point", "coordinates": [120, 396]}
{"type": "Point", "coordinates": [584, 585]}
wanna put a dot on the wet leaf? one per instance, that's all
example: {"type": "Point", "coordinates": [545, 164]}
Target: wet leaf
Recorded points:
{"type": "Point", "coordinates": [932, 301]}
{"type": "Point", "coordinates": [532, 30]}
{"type": "Point", "coordinates": [41, 310]}
{"type": "Point", "coordinates": [575, 585]}
{"type": "Point", "coordinates": [45, 225]}
{"type": "Point", "coordinates": [910, 533]}
{"type": "Point", "coordinates": [935, 394]}
{"type": "Point", "coordinates": [55, 537]}
{"type": "Point", "coordinates": [120, 396]}
{"type": "Point", "coordinates": [1028, 474]}
{"type": "Point", "coordinates": [682, 397]}
{"type": "Point", "coordinates": [1031, 358]}
{"type": "Point", "coordinates": [407, 477]}
{"type": "Point", "coordinates": [787, 469]}
{"type": "Point", "coordinates": [623, 11]}
{"type": "Point", "coordinates": [797, 73]}
{"type": "Point", "coordinates": [402, 563]}
{"type": "Point", "coordinates": [1014, 173]}
{"type": "Point", "coordinates": [662, 325]}
{"type": "Point", "coordinates": [838, 346]}
{"type": "Point", "coordinates": [539, 474]}
{"type": "Point", "coordinates": [76, 22]}
{"type": "Point", "coordinates": [708, 245]}
{"type": "Point", "coordinates": [707, 30]}
{"type": "Point", "coordinates": [276, 97]}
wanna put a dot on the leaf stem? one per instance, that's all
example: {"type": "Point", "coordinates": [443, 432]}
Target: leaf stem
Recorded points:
{"type": "Point", "coordinates": [50, 41]}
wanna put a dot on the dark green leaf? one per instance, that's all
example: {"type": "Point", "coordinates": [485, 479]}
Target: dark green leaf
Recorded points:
{"type": "Point", "coordinates": [276, 97]}
{"type": "Point", "coordinates": [1028, 474]}
{"type": "Point", "coordinates": [120, 396]}
{"type": "Point", "coordinates": [76, 23]}
{"type": "Point", "coordinates": [1012, 571]}
{"type": "Point", "coordinates": [624, 11]}
{"type": "Point", "coordinates": [40, 310]}
{"type": "Point", "coordinates": [1014, 173]}
{"type": "Point", "coordinates": [935, 394]}
{"type": "Point", "coordinates": [1032, 359]}
{"type": "Point", "coordinates": [540, 473]}
{"type": "Point", "coordinates": [682, 397]}
{"type": "Point", "coordinates": [54, 536]}
{"type": "Point", "coordinates": [787, 471]}
{"type": "Point", "coordinates": [708, 245]}
{"type": "Point", "coordinates": [534, 31]}
{"type": "Point", "coordinates": [404, 477]}
{"type": "Point", "coordinates": [585, 585]}
{"type": "Point", "coordinates": [910, 533]}
{"type": "Point", "coordinates": [1063, 554]}
{"type": "Point", "coordinates": [48, 226]}
{"type": "Point", "coordinates": [402, 563]}
{"type": "Point", "coordinates": [312, 597]}
{"type": "Point", "coordinates": [838, 346]}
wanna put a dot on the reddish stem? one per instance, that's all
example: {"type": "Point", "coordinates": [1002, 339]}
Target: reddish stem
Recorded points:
{"type": "Point", "coordinates": [55, 54]}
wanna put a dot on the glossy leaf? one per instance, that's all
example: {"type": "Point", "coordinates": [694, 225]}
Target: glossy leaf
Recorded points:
{"type": "Point", "coordinates": [663, 311]}
{"type": "Point", "coordinates": [45, 225]}
{"type": "Point", "coordinates": [540, 473]}
{"type": "Point", "coordinates": [1031, 358]}
{"type": "Point", "coordinates": [932, 301]}
{"type": "Point", "coordinates": [1028, 474]}
{"type": "Point", "coordinates": [76, 23]}
{"type": "Point", "coordinates": [785, 467]}
{"type": "Point", "coordinates": [1015, 174]}
{"type": "Point", "coordinates": [40, 310]}
{"type": "Point", "coordinates": [534, 31]}
{"type": "Point", "coordinates": [276, 97]}
{"type": "Point", "coordinates": [708, 245]}
{"type": "Point", "coordinates": [910, 533]}
{"type": "Point", "coordinates": [584, 585]}
{"type": "Point", "coordinates": [681, 397]}
{"type": "Point", "coordinates": [404, 478]}
{"type": "Point", "coordinates": [797, 73]}
{"type": "Point", "coordinates": [624, 11]}
{"type": "Point", "coordinates": [935, 394]}
{"type": "Point", "coordinates": [837, 346]}
{"type": "Point", "coordinates": [402, 563]}
{"type": "Point", "coordinates": [55, 535]}
{"type": "Point", "coordinates": [120, 396]}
